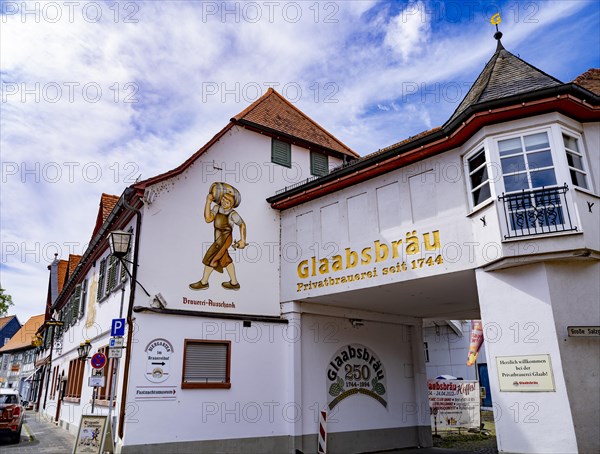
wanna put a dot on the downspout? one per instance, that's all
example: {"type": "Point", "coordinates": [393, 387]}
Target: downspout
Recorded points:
{"type": "Point", "coordinates": [138, 226]}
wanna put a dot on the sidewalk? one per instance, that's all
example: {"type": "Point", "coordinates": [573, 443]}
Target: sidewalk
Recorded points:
{"type": "Point", "coordinates": [40, 436]}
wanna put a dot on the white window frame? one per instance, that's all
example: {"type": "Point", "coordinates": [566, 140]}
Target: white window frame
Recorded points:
{"type": "Point", "coordinates": [556, 158]}
{"type": "Point", "coordinates": [481, 147]}
{"type": "Point", "coordinates": [584, 159]}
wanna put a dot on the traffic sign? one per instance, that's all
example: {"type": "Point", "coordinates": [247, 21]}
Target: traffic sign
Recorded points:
{"type": "Point", "coordinates": [117, 327]}
{"type": "Point", "coordinates": [115, 352]}
{"type": "Point", "coordinates": [116, 342]}
{"type": "Point", "coordinates": [98, 360]}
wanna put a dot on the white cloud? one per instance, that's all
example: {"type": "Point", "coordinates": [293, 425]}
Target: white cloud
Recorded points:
{"type": "Point", "coordinates": [408, 33]}
{"type": "Point", "coordinates": [352, 61]}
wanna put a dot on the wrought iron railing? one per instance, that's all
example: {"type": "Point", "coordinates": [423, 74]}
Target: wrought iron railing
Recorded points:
{"type": "Point", "coordinates": [537, 211]}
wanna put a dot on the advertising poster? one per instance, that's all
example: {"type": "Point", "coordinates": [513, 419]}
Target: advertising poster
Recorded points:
{"type": "Point", "coordinates": [90, 435]}
{"type": "Point", "coordinates": [454, 404]}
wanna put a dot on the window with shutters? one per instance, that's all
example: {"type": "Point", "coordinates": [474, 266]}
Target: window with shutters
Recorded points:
{"type": "Point", "coordinates": [83, 298]}
{"type": "Point", "coordinates": [75, 379]}
{"type": "Point", "coordinates": [206, 364]}
{"type": "Point", "coordinates": [281, 153]}
{"type": "Point", "coordinates": [101, 279]}
{"type": "Point", "coordinates": [319, 164]}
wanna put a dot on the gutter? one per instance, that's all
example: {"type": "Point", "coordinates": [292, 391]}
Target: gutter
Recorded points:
{"type": "Point", "coordinates": [445, 132]}
{"type": "Point", "coordinates": [138, 227]}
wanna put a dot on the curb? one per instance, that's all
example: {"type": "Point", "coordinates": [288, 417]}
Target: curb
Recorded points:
{"type": "Point", "coordinates": [29, 433]}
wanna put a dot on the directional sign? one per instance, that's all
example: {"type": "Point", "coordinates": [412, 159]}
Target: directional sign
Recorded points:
{"type": "Point", "coordinates": [158, 364]}
{"type": "Point", "coordinates": [98, 360]}
{"type": "Point", "coordinates": [117, 327]}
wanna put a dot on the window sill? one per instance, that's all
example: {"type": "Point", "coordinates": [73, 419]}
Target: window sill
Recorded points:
{"type": "Point", "coordinates": [104, 402]}
{"type": "Point", "coordinates": [480, 207]}
{"type": "Point", "coordinates": [205, 385]}
{"type": "Point", "coordinates": [540, 236]}
{"type": "Point", "coordinates": [73, 400]}
{"type": "Point", "coordinates": [586, 192]}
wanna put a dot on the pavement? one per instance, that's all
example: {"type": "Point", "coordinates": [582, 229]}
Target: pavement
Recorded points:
{"type": "Point", "coordinates": [39, 436]}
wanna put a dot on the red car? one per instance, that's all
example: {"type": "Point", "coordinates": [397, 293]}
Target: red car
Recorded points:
{"type": "Point", "coordinates": [11, 414]}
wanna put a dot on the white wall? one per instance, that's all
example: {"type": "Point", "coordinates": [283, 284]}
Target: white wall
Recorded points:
{"type": "Point", "coordinates": [255, 406]}
{"type": "Point", "coordinates": [175, 235]}
{"type": "Point", "coordinates": [518, 319]}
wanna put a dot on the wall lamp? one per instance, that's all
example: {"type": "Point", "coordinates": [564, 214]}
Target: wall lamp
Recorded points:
{"type": "Point", "coordinates": [83, 350]}
{"type": "Point", "coordinates": [120, 243]}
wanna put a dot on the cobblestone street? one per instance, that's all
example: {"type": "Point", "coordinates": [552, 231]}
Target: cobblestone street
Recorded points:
{"type": "Point", "coordinates": [39, 436]}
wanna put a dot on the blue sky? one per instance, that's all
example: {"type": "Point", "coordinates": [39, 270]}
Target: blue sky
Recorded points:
{"type": "Point", "coordinates": [97, 94]}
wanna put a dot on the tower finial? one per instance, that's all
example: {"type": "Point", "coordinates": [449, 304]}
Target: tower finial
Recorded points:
{"type": "Point", "coordinates": [496, 19]}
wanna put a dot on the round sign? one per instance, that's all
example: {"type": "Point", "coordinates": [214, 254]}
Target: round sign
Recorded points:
{"type": "Point", "coordinates": [98, 360]}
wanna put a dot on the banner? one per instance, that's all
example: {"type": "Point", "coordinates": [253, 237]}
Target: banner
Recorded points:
{"type": "Point", "coordinates": [454, 404]}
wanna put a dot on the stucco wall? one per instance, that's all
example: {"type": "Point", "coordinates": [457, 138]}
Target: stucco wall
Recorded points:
{"type": "Point", "coordinates": [574, 290]}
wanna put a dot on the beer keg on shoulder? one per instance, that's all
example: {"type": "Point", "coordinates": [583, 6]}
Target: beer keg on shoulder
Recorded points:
{"type": "Point", "coordinates": [219, 189]}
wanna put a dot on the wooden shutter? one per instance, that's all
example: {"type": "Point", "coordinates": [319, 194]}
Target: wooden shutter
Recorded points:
{"type": "Point", "coordinates": [101, 279]}
{"type": "Point", "coordinates": [319, 164]}
{"type": "Point", "coordinates": [75, 303]}
{"type": "Point", "coordinates": [281, 153]}
{"type": "Point", "coordinates": [111, 281]}
{"type": "Point", "coordinates": [206, 364]}
{"type": "Point", "coordinates": [83, 298]}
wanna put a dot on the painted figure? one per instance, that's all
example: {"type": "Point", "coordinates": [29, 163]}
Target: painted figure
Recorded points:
{"type": "Point", "coordinates": [224, 218]}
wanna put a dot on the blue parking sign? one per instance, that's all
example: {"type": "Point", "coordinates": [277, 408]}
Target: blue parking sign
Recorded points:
{"type": "Point", "coordinates": [117, 327]}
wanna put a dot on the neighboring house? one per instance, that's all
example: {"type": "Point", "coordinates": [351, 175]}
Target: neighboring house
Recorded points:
{"type": "Point", "coordinates": [20, 355]}
{"type": "Point", "coordinates": [9, 325]}
{"type": "Point", "coordinates": [278, 275]}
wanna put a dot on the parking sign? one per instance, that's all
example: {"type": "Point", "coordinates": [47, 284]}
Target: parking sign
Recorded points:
{"type": "Point", "coordinates": [117, 327]}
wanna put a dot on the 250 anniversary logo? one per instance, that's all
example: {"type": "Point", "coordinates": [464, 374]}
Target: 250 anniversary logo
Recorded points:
{"type": "Point", "coordinates": [355, 369]}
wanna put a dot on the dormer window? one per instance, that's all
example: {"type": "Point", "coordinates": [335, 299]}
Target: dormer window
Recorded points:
{"type": "Point", "coordinates": [281, 153]}
{"type": "Point", "coordinates": [319, 164]}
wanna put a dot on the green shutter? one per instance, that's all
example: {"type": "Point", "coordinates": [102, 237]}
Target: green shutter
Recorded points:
{"type": "Point", "coordinates": [319, 164]}
{"type": "Point", "coordinates": [124, 265]}
{"type": "Point", "coordinates": [101, 278]}
{"type": "Point", "coordinates": [75, 302]}
{"type": "Point", "coordinates": [111, 281]}
{"type": "Point", "coordinates": [281, 153]}
{"type": "Point", "coordinates": [83, 298]}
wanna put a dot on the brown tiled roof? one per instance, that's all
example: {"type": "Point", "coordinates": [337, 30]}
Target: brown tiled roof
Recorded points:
{"type": "Point", "coordinates": [63, 267]}
{"type": "Point", "coordinates": [5, 320]}
{"type": "Point", "coordinates": [107, 203]}
{"type": "Point", "coordinates": [73, 262]}
{"type": "Point", "coordinates": [504, 75]}
{"type": "Point", "coordinates": [590, 80]}
{"type": "Point", "coordinates": [274, 112]}
{"type": "Point", "coordinates": [22, 338]}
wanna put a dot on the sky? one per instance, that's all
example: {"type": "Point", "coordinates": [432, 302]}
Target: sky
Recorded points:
{"type": "Point", "coordinates": [97, 94]}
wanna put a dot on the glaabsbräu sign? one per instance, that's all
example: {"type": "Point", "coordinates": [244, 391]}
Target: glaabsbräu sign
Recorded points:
{"type": "Point", "coordinates": [355, 369]}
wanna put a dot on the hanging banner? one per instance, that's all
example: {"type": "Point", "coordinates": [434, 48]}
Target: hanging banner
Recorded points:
{"type": "Point", "coordinates": [476, 341]}
{"type": "Point", "coordinates": [454, 404]}
{"type": "Point", "coordinates": [355, 369]}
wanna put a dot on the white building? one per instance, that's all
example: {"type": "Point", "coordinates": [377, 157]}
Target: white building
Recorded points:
{"type": "Point", "coordinates": [243, 325]}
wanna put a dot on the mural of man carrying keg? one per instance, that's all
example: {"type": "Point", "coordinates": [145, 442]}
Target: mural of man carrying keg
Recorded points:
{"type": "Point", "coordinates": [224, 218]}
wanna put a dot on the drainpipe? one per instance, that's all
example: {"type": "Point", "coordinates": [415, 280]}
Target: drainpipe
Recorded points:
{"type": "Point", "coordinates": [138, 226]}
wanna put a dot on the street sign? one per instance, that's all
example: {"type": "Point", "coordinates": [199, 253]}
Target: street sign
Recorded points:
{"type": "Point", "coordinates": [118, 327]}
{"type": "Point", "coordinates": [97, 381]}
{"type": "Point", "coordinates": [98, 360]}
{"type": "Point", "coordinates": [116, 342]}
{"type": "Point", "coordinates": [115, 352]}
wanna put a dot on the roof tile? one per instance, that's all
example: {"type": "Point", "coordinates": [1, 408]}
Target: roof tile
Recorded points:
{"type": "Point", "coordinates": [23, 337]}
{"type": "Point", "coordinates": [590, 80]}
